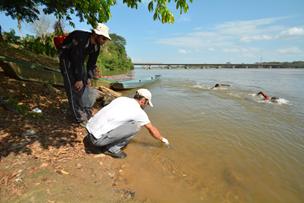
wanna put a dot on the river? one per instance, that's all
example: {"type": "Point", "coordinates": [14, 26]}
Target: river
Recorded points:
{"type": "Point", "coordinates": [226, 145]}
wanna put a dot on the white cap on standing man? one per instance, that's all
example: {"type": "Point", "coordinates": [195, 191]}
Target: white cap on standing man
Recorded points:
{"type": "Point", "coordinates": [103, 30]}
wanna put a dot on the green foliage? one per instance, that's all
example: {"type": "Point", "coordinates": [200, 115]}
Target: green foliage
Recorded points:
{"type": "Point", "coordinates": [91, 11]}
{"type": "Point", "coordinates": [40, 45]}
{"type": "Point", "coordinates": [26, 10]}
{"type": "Point", "coordinates": [113, 58]}
{"type": "Point", "coordinates": [10, 37]}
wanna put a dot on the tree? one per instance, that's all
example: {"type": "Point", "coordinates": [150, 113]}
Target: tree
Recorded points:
{"type": "Point", "coordinates": [113, 58]}
{"type": "Point", "coordinates": [59, 27]}
{"type": "Point", "coordinates": [91, 11]}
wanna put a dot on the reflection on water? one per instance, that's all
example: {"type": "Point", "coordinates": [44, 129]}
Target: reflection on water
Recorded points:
{"type": "Point", "coordinates": [226, 145]}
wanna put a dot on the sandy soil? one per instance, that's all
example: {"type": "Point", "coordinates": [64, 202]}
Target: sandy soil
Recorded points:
{"type": "Point", "coordinates": [42, 155]}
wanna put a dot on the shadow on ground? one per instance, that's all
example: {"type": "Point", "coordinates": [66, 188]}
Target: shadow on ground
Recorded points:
{"type": "Point", "coordinates": [20, 127]}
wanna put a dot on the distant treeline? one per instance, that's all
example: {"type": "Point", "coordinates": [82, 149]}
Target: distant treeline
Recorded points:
{"type": "Point", "coordinates": [113, 58]}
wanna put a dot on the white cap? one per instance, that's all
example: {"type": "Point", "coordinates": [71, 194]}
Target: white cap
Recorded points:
{"type": "Point", "coordinates": [103, 30]}
{"type": "Point", "coordinates": [147, 94]}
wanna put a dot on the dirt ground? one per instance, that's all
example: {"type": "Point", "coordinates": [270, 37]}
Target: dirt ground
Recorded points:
{"type": "Point", "coordinates": [42, 155]}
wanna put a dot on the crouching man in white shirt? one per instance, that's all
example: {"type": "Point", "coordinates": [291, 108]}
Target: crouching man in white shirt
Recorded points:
{"type": "Point", "coordinates": [114, 125]}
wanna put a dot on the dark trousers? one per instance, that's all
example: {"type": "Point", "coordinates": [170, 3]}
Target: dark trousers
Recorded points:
{"type": "Point", "coordinates": [79, 112]}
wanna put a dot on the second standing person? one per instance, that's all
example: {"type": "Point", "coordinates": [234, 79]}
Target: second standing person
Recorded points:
{"type": "Point", "coordinates": [76, 48]}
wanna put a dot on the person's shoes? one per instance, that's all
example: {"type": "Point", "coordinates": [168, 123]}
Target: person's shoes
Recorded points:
{"type": "Point", "coordinates": [90, 148]}
{"type": "Point", "coordinates": [117, 155]}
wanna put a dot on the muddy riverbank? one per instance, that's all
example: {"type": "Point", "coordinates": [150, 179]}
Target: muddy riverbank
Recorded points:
{"type": "Point", "coordinates": [43, 158]}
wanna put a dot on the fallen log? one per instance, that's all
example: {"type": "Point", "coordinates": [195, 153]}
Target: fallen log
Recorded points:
{"type": "Point", "coordinates": [106, 95]}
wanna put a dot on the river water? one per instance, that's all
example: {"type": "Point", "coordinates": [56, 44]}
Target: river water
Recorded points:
{"type": "Point", "coordinates": [227, 145]}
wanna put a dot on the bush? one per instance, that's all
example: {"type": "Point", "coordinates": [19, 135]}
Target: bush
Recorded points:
{"type": "Point", "coordinates": [40, 45]}
{"type": "Point", "coordinates": [10, 37]}
{"type": "Point", "coordinates": [113, 58]}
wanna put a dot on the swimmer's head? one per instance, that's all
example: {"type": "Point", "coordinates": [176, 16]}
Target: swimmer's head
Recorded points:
{"type": "Point", "coordinates": [274, 99]}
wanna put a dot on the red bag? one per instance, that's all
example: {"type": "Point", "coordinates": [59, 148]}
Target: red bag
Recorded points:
{"type": "Point", "coordinates": [58, 40]}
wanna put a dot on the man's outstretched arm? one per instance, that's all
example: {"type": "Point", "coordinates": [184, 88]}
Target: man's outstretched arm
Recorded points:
{"type": "Point", "coordinates": [155, 133]}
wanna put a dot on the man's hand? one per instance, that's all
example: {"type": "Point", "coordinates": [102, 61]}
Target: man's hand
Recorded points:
{"type": "Point", "coordinates": [165, 141]}
{"type": "Point", "coordinates": [156, 134]}
{"type": "Point", "coordinates": [78, 85]}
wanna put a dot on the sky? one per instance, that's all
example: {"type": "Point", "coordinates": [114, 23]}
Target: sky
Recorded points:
{"type": "Point", "coordinates": [213, 31]}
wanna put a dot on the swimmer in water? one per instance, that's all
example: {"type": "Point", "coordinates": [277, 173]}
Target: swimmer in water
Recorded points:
{"type": "Point", "coordinates": [220, 86]}
{"type": "Point", "coordinates": [268, 98]}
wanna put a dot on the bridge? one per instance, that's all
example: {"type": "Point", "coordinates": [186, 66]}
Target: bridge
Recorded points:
{"type": "Point", "coordinates": [206, 66]}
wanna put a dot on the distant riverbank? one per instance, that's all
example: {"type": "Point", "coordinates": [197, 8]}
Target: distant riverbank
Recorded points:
{"type": "Point", "coordinates": [267, 65]}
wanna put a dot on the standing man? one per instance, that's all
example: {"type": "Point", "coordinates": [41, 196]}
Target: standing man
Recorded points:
{"type": "Point", "coordinates": [114, 125]}
{"type": "Point", "coordinates": [76, 48]}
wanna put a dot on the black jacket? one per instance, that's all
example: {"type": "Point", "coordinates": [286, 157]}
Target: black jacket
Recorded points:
{"type": "Point", "coordinates": [75, 48]}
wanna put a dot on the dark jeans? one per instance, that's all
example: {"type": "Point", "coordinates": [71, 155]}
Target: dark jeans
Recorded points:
{"type": "Point", "coordinates": [79, 112]}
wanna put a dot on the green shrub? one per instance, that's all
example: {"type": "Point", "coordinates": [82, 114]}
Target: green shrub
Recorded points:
{"type": "Point", "coordinates": [113, 58]}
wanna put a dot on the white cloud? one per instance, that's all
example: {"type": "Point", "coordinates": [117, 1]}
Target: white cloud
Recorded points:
{"type": "Point", "coordinates": [232, 50]}
{"type": "Point", "coordinates": [182, 41]}
{"type": "Point", "coordinates": [240, 50]}
{"type": "Point", "coordinates": [283, 34]}
{"type": "Point", "coordinates": [198, 28]}
{"type": "Point", "coordinates": [225, 34]}
{"type": "Point", "coordinates": [245, 27]}
{"type": "Point", "coordinates": [256, 38]}
{"type": "Point", "coordinates": [239, 38]}
{"type": "Point", "coordinates": [292, 32]}
{"type": "Point", "coordinates": [183, 51]}
{"type": "Point", "coordinates": [290, 51]}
